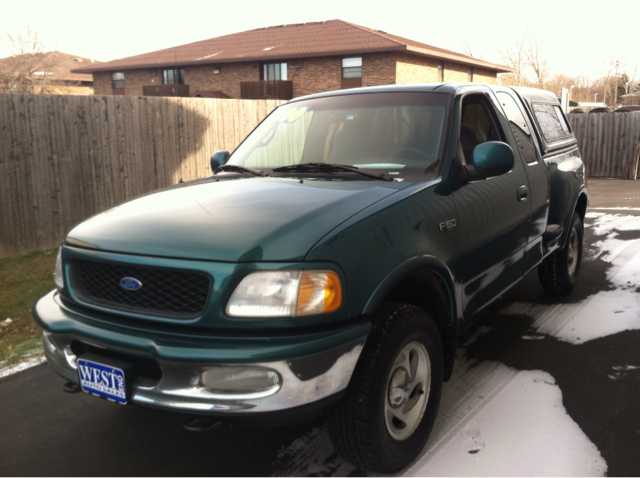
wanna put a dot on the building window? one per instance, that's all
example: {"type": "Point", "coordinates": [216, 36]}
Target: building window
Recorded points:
{"type": "Point", "coordinates": [470, 74]}
{"type": "Point", "coordinates": [351, 68]}
{"type": "Point", "coordinates": [117, 80]}
{"type": "Point", "coordinates": [440, 71]}
{"type": "Point", "coordinates": [173, 76]}
{"type": "Point", "coordinates": [152, 72]}
{"type": "Point", "coordinates": [274, 71]}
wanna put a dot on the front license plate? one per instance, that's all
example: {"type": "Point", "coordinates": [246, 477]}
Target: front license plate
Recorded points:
{"type": "Point", "coordinates": [102, 380]}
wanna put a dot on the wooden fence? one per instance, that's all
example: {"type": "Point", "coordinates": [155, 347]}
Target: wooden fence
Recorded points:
{"type": "Point", "coordinates": [275, 89]}
{"type": "Point", "coordinates": [608, 143]}
{"type": "Point", "coordinates": [65, 158]}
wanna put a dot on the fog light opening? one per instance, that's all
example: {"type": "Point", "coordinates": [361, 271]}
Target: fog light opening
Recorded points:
{"type": "Point", "coordinates": [241, 380]}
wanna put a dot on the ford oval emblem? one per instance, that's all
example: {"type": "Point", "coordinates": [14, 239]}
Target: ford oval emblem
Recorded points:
{"type": "Point", "coordinates": [130, 283]}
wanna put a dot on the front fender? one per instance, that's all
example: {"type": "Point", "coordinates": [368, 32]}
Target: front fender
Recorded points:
{"type": "Point", "coordinates": [406, 269]}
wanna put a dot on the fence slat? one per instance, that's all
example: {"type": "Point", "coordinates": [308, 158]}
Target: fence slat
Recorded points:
{"type": "Point", "coordinates": [607, 143]}
{"type": "Point", "coordinates": [65, 158]}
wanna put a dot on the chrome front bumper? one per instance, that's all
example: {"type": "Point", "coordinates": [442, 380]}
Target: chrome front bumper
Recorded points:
{"type": "Point", "coordinates": [302, 381]}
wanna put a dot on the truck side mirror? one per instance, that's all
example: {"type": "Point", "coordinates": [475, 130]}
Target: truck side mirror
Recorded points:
{"type": "Point", "coordinates": [492, 158]}
{"type": "Point", "coordinates": [218, 158]}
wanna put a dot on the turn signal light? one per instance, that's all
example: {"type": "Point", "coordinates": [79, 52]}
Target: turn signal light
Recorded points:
{"type": "Point", "coordinates": [319, 292]}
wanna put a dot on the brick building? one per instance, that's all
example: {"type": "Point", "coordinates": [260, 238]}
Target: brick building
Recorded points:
{"type": "Point", "coordinates": [287, 61]}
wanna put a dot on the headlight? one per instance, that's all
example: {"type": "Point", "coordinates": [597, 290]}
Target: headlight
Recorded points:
{"type": "Point", "coordinates": [286, 294]}
{"type": "Point", "coordinates": [58, 278]}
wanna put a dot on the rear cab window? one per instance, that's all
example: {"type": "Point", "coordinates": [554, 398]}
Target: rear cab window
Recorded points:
{"type": "Point", "coordinates": [552, 122]}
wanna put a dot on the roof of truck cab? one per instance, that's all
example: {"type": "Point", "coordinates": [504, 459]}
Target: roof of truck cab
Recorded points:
{"type": "Point", "coordinates": [529, 94]}
{"type": "Point", "coordinates": [535, 95]}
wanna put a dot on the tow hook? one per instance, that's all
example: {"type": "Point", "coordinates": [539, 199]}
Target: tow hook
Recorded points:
{"type": "Point", "coordinates": [71, 387]}
{"type": "Point", "coordinates": [200, 424]}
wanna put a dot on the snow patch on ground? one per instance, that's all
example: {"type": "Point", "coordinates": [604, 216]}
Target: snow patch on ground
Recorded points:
{"type": "Point", "coordinates": [522, 430]}
{"type": "Point", "coordinates": [616, 208]}
{"type": "Point", "coordinates": [621, 371]}
{"type": "Point", "coordinates": [605, 313]}
{"type": "Point", "coordinates": [607, 223]}
{"type": "Point", "coordinates": [21, 366]}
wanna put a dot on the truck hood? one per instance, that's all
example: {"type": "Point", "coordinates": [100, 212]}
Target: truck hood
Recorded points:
{"type": "Point", "coordinates": [242, 220]}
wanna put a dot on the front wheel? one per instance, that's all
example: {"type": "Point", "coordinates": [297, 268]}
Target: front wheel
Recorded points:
{"type": "Point", "coordinates": [558, 273]}
{"type": "Point", "coordinates": [387, 414]}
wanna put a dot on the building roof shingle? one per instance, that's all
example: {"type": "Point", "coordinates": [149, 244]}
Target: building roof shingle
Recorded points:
{"type": "Point", "coordinates": [304, 40]}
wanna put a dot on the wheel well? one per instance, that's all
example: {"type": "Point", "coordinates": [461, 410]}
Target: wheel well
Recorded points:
{"type": "Point", "coordinates": [426, 289]}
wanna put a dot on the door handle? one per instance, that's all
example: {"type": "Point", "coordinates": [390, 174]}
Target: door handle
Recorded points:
{"type": "Point", "coordinates": [523, 193]}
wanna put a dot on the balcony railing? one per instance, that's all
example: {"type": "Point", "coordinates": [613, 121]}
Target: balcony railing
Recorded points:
{"type": "Point", "coordinates": [268, 89]}
{"type": "Point", "coordinates": [166, 90]}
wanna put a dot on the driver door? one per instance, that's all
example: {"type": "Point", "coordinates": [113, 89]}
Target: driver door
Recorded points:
{"type": "Point", "coordinates": [493, 213]}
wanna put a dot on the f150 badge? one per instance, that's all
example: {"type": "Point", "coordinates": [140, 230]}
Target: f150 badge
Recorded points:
{"type": "Point", "coordinates": [447, 226]}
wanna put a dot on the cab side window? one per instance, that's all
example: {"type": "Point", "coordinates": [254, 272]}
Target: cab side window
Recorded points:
{"type": "Point", "coordinates": [519, 127]}
{"type": "Point", "coordinates": [552, 122]}
{"type": "Point", "coordinates": [479, 125]}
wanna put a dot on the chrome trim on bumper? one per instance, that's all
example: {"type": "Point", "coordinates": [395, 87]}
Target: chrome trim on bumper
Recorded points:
{"type": "Point", "coordinates": [179, 387]}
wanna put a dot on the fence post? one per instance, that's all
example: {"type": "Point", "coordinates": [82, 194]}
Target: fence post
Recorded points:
{"type": "Point", "coordinates": [635, 162]}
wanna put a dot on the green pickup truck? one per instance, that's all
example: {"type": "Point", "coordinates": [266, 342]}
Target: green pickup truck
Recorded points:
{"type": "Point", "coordinates": [327, 263]}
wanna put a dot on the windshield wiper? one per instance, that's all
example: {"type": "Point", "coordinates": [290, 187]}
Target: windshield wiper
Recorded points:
{"type": "Point", "coordinates": [234, 168]}
{"type": "Point", "coordinates": [329, 168]}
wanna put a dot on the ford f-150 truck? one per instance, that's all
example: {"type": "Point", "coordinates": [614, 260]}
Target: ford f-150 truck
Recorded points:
{"type": "Point", "coordinates": [327, 263]}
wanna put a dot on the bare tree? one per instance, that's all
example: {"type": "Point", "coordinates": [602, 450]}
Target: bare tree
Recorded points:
{"type": "Point", "coordinates": [532, 69]}
{"type": "Point", "coordinates": [466, 47]}
{"type": "Point", "coordinates": [515, 56]}
{"type": "Point", "coordinates": [537, 62]}
{"type": "Point", "coordinates": [28, 69]}
{"type": "Point", "coordinates": [609, 84]}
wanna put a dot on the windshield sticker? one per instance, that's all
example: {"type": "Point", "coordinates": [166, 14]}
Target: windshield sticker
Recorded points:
{"type": "Point", "coordinates": [290, 115]}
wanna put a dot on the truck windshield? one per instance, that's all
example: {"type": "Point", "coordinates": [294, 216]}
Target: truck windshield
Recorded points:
{"type": "Point", "coordinates": [397, 134]}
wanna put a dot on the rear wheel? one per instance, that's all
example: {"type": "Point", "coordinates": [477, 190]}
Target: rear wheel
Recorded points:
{"type": "Point", "coordinates": [558, 273]}
{"type": "Point", "coordinates": [386, 416]}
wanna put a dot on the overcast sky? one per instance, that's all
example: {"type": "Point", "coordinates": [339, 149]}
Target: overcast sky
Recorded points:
{"type": "Point", "coordinates": [577, 37]}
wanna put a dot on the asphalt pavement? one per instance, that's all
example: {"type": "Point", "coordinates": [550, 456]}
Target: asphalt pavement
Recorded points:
{"type": "Point", "coordinates": [46, 432]}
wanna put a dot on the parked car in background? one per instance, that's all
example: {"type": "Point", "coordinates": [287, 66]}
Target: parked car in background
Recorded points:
{"type": "Point", "coordinates": [627, 109]}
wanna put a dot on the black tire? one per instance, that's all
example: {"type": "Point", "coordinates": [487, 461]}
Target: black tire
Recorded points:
{"type": "Point", "coordinates": [366, 428]}
{"type": "Point", "coordinates": [558, 273]}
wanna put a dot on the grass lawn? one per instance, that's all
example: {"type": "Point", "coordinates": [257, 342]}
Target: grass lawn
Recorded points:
{"type": "Point", "coordinates": [23, 279]}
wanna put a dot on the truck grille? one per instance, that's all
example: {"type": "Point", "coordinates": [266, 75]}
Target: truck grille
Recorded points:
{"type": "Point", "coordinates": [165, 292]}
